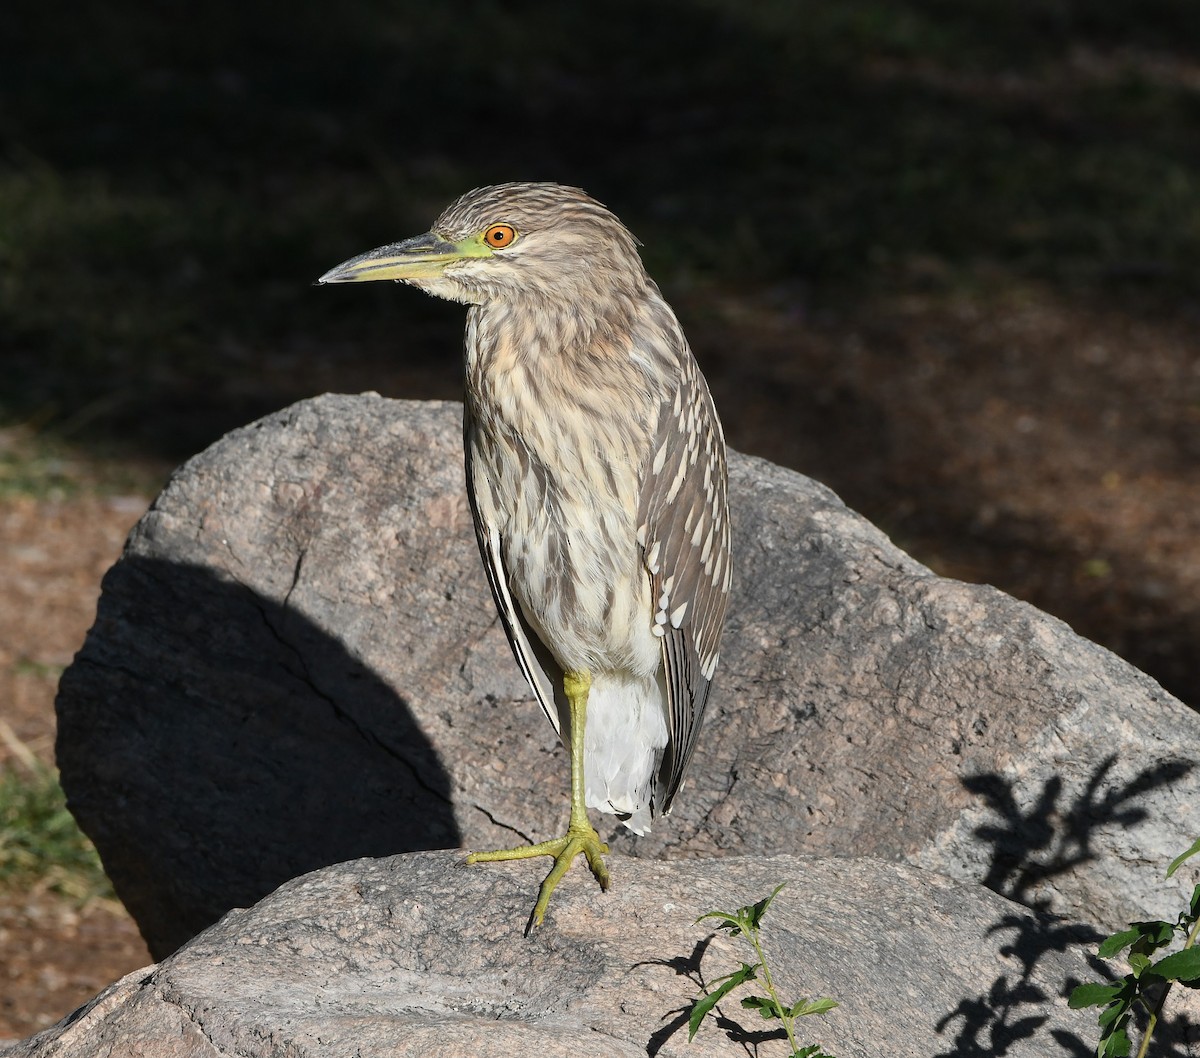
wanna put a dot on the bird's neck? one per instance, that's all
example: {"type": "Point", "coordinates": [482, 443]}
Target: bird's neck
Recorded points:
{"type": "Point", "coordinates": [528, 332]}
{"type": "Point", "coordinates": [561, 360]}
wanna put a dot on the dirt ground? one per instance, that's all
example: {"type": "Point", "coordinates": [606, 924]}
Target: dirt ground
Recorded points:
{"type": "Point", "coordinates": [1050, 448]}
{"type": "Point", "coordinates": [54, 552]}
{"type": "Point", "coordinates": [58, 956]}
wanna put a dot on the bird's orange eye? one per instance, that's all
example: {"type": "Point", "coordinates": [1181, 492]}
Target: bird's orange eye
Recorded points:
{"type": "Point", "coordinates": [500, 235]}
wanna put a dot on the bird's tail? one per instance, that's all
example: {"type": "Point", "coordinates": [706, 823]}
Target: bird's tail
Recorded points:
{"type": "Point", "coordinates": [624, 740]}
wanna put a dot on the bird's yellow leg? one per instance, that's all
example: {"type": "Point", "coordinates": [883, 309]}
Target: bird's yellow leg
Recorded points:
{"type": "Point", "coordinates": [581, 836]}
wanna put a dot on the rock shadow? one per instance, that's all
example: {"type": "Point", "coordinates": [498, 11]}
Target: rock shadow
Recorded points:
{"type": "Point", "coordinates": [214, 743]}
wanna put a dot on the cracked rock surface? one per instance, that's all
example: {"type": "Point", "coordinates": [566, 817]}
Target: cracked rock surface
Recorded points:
{"type": "Point", "coordinates": [297, 662]}
{"type": "Point", "coordinates": [415, 955]}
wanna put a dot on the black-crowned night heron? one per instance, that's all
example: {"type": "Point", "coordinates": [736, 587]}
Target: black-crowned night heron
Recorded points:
{"type": "Point", "coordinates": [596, 475]}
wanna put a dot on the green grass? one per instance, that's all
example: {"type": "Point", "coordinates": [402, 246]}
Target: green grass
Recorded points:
{"type": "Point", "coordinates": [45, 464]}
{"type": "Point", "coordinates": [32, 470]}
{"type": "Point", "coordinates": [25, 666]}
{"type": "Point", "coordinates": [40, 844]}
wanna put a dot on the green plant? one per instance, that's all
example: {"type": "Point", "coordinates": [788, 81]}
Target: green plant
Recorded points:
{"type": "Point", "coordinates": [41, 465]}
{"type": "Point", "coordinates": [1149, 982]}
{"type": "Point", "coordinates": [40, 844]}
{"type": "Point", "coordinates": [745, 921]}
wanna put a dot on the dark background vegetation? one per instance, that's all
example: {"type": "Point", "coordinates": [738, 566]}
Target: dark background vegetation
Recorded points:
{"type": "Point", "coordinates": [941, 255]}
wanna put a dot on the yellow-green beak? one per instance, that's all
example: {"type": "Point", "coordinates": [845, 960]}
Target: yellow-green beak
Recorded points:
{"type": "Point", "coordinates": [424, 257]}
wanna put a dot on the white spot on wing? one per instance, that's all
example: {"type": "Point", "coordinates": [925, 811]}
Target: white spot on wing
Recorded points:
{"type": "Point", "coordinates": [660, 457]}
{"type": "Point", "coordinates": [675, 486]}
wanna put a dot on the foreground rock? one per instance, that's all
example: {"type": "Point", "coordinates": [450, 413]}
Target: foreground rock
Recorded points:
{"type": "Point", "coordinates": [297, 662]}
{"type": "Point", "coordinates": [413, 955]}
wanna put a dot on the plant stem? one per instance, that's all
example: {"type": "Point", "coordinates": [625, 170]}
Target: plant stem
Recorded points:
{"type": "Point", "coordinates": [1150, 1025]}
{"type": "Point", "coordinates": [787, 1019]}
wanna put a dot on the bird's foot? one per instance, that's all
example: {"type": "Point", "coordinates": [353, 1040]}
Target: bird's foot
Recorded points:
{"type": "Point", "coordinates": [563, 850]}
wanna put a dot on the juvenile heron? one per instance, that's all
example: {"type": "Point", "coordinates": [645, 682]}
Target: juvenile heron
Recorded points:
{"type": "Point", "coordinates": [596, 475]}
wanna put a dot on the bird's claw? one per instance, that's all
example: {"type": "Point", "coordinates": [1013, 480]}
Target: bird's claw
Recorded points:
{"type": "Point", "coordinates": [564, 850]}
{"type": "Point", "coordinates": [567, 848]}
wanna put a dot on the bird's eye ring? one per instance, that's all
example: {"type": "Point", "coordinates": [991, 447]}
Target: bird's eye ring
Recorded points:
{"type": "Point", "coordinates": [499, 236]}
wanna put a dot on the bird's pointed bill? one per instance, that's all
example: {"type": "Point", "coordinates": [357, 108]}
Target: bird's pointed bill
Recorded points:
{"type": "Point", "coordinates": [423, 257]}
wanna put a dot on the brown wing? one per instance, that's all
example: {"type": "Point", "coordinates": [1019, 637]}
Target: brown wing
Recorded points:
{"type": "Point", "coordinates": [536, 662]}
{"type": "Point", "coordinates": [684, 535]}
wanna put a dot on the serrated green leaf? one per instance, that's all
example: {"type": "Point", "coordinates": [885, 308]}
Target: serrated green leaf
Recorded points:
{"type": "Point", "coordinates": [705, 1003]}
{"type": "Point", "coordinates": [1116, 1046]}
{"type": "Point", "coordinates": [1139, 962]}
{"type": "Point", "coordinates": [756, 911]}
{"type": "Point", "coordinates": [1181, 966]}
{"type": "Point", "coordinates": [812, 1006]}
{"type": "Point", "coordinates": [763, 1004]}
{"type": "Point", "coordinates": [1116, 942]}
{"type": "Point", "coordinates": [700, 1007]}
{"type": "Point", "coordinates": [713, 914]}
{"type": "Point", "coordinates": [1113, 1013]}
{"type": "Point", "coordinates": [1093, 994]}
{"type": "Point", "coordinates": [1183, 857]}
{"type": "Point", "coordinates": [744, 973]}
{"type": "Point", "coordinates": [728, 920]}
{"type": "Point", "coordinates": [1152, 936]}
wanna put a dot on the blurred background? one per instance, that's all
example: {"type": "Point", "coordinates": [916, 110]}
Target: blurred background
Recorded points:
{"type": "Point", "coordinates": [940, 254]}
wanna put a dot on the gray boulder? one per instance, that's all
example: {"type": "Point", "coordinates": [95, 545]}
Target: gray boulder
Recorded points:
{"type": "Point", "coordinates": [296, 662]}
{"type": "Point", "coordinates": [413, 955]}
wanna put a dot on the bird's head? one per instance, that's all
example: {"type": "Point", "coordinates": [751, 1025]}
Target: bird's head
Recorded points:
{"type": "Point", "coordinates": [508, 243]}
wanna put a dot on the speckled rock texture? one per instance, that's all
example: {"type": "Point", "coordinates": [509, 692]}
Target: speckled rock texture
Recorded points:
{"type": "Point", "coordinates": [414, 955]}
{"type": "Point", "coordinates": [297, 662]}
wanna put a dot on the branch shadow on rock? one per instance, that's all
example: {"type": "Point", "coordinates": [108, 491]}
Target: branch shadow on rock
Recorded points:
{"type": "Point", "coordinates": [214, 743]}
{"type": "Point", "coordinates": [1012, 1008]}
{"type": "Point", "coordinates": [684, 966]}
{"type": "Point", "coordinates": [1030, 846]}
{"type": "Point", "coordinates": [689, 966]}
